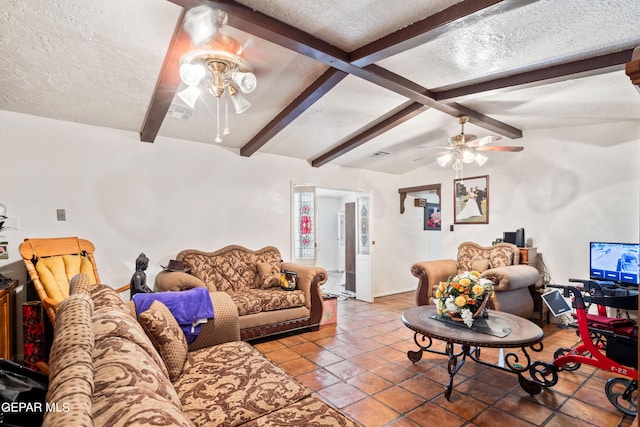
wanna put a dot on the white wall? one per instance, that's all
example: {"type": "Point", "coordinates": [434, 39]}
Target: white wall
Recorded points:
{"type": "Point", "coordinates": [130, 197]}
{"type": "Point", "coordinates": [566, 189]}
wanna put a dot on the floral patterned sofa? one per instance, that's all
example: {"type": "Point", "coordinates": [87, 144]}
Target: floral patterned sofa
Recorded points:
{"type": "Point", "coordinates": [499, 262]}
{"type": "Point", "coordinates": [251, 279]}
{"type": "Point", "coordinates": [109, 369]}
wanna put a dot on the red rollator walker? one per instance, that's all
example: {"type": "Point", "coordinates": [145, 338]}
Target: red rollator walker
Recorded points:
{"type": "Point", "coordinates": [607, 343]}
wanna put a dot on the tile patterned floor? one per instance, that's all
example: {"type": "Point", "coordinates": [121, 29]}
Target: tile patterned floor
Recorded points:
{"type": "Point", "coordinates": [360, 367]}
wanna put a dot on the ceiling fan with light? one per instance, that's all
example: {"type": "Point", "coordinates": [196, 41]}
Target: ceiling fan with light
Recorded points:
{"type": "Point", "coordinates": [465, 147]}
{"type": "Point", "coordinates": [214, 64]}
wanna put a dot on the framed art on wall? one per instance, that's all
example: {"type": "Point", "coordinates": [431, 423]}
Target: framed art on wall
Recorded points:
{"type": "Point", "coordinates": [432, 220]}
{"type": "Point", "coordinates": [471, 200]}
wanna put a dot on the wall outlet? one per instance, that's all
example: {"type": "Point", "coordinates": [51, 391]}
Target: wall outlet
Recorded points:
{"type": "Point", "coordinates": [61, 214]}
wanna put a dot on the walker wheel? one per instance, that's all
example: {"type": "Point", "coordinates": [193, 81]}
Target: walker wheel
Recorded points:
{"type": "Point", "coordinates": [623, 394]}
{"type": "Point", "coordinates": [567, 366]}
{"type": "Point", "coordinates": [544, 373]}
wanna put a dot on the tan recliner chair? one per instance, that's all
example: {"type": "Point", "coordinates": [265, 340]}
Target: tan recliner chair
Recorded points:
{"type": "Point", "coordinates": [499, 262]}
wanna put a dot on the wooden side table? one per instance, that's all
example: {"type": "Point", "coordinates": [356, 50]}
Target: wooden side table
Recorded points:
{"type": "Point", "coordinates": [539, 306]}
{"type": "Point", "coordinates": [7, 303]}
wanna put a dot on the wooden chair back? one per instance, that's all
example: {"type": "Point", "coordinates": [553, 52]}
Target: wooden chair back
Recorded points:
{"type": "Point", "coordinates": [51, 264]}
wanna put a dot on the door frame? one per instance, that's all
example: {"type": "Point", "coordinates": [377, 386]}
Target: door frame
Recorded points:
{"type": "Point", "coordinates": [364, 294]}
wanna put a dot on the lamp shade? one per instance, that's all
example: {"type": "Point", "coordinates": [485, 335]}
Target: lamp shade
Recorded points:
{"type": "Point", "coordinates": [191, 74]}
{"type": "Point", "coordinates": [468, 156]}
{"type": "Point", "coordinates": [246, 81]}
{"type": "Point", "coordinates": [480, 159]}
{"type": "Point", "coordinates": [444, 159]}
{"type": "Point", "coordinates": [200, 23]}
{"type": "Point", "coordinates": [190, 96]}
{"type": "Point", "coordinates": [240, 103]}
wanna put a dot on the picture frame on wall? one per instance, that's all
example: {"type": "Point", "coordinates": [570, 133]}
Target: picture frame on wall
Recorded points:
{"type": "Point", "coordinates": [471, 200]}
{"type": "Point", "coordinates": [432, 217]}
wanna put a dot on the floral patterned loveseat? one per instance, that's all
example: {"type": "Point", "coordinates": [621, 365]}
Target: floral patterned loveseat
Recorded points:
{"type": "Point", "coordinates": [108, 368]}
{"type": "Point", "coordinates": [251, 279]}
{"type": "Point", "coordinates": [499, 262]}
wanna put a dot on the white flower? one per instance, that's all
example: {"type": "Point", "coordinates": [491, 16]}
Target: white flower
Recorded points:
{"type": "Point", "coordinates": [467, 317]}
{"type": "Point", "coordinates": [451, 305]}
{"type": "Point", "coordinates": [485, 282]}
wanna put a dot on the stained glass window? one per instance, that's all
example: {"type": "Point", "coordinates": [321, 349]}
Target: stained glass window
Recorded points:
{"type": "Point", "coordinates": [304, 207]}
{"type": "Point", "coordinates": [363, 225]}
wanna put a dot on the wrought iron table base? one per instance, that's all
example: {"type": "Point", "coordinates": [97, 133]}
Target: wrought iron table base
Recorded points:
{"type": "Point", "coordinates": [457, 359]}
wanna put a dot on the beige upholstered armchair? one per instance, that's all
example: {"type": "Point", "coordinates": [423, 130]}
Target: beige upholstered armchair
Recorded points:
{"type": "Point", "coordinates": [499, 262]}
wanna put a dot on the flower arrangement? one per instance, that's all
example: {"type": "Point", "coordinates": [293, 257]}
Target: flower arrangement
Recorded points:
{"type": "Point", "coordinates": [463, 296]}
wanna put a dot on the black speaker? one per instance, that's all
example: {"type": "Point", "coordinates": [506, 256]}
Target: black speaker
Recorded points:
{"type": "Point", "coordinates": [520, 238]}
{"type": "Point", "coordinates": [509, 237]}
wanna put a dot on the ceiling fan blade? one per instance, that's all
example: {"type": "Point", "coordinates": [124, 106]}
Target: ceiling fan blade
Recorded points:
{"type": "Point", "coordinates": [432, 154]}
{"type": "Point", "coordinates": [499, 148]}
{"type": "Point", "coordinates": [483, 141]}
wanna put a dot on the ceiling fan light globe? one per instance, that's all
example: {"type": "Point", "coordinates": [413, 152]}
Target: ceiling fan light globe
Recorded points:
{"type": "Point", "coordinates": [468, 157]}
{"type": "Point", "coordinates": [444, 159]}
{"type": "Point", "coordinates": [189, 96]}
{"type": "Point", "coordinates": [480, 159]}
{"type": "Point", "coordinates": [192, 74]}
{"type": "Point", "coordinates": [200, 23]}
{"type": "Point", "coordinates": [247, 82]}
{"type": "Point", "coordinates": [240, 103]}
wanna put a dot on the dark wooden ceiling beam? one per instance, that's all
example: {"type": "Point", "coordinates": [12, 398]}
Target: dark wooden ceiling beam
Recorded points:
{"type": "Point", "coordinates": [452, 109]}
{"type": "Point", "coordinates": [464, 13]}
{"type": "Point", "coordinates": [385, 123]}
{"type": "Point", "coordinates": [594, 65]}
{"type": "Point", "coordinates": [306, 99]}
{"type": "Point", "coordinates": [167, 84]}
{"type": "Point", "coordinates": [285, 35]}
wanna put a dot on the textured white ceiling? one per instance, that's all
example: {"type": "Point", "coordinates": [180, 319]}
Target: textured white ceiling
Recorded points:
{"type": "Point", "coordinates": [97, 62]}
{"type": "Point", "coordinates": [538, 32]}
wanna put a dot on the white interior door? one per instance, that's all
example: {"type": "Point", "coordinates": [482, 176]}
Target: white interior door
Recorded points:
{"type": "Point", "coordinates": [304, 226]}
{"type": "Point", "coordinates": [364, 246]}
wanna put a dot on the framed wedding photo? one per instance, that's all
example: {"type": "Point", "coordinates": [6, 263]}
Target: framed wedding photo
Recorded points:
{"type": "Point", "coordinates": [471, 200]}
{"type": "Point", "coordinates": [432, 220]}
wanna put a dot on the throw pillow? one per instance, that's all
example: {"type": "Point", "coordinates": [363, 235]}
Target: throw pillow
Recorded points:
{"type": "Point", "coordinates": [480, 265]}
{"type": "Point", "coordinates": [178, 281]}
{"type": "Point", "coordinates": [500, 257]}
{"type": "Point", "coordinates": [268, 275]}
{"type": "Point", "coordinates": [166, 336]}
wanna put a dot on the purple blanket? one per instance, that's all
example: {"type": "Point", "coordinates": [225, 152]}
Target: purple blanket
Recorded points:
{"type": "Point", "coordinates": [191, 308]}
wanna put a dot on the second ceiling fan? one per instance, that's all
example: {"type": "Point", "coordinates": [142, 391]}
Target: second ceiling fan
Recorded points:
{"type": "Point", "coordinates": [464, 147]}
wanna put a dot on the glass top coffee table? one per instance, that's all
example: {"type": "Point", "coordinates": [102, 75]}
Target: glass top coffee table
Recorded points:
{"type": "Point", "coordinates": [498, 330]}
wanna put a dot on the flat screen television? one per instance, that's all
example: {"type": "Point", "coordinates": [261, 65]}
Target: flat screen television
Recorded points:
{"type": "Point", "coordinates": [615, 262]}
